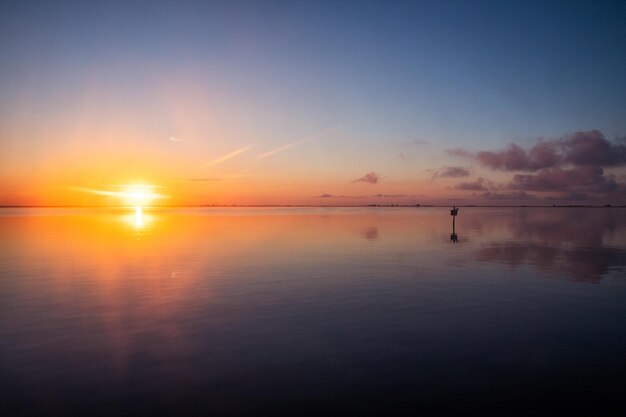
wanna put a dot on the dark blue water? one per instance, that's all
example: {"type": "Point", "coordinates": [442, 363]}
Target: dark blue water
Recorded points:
{"type": "Point", "coordinates": [312, 311]}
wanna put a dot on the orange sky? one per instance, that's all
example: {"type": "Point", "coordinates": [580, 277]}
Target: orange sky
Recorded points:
{"type": "Point", "coordinates": [284, 105]}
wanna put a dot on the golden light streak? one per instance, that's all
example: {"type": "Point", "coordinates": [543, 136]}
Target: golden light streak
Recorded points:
{"type": "Point", "coordinates": [138, 195]}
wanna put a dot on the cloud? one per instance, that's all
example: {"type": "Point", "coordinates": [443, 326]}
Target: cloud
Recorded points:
{"type": "Point", "coordinates": [175, 139]}
{"type": "Point", "coordinates": [589, 148]}
{"type": "Point", "coordinates": [229, 156]}
{"type": "Point", "coordinates": [480, 184]}
{"type": "Point", "coordinates": [204, 179]}
{"type": "Point", "coordinates": [572, 196]}
{"type": "Point", "coordinates": [452, 172]}
{"type": "Point", "coordinates": [390, 195]}
{"type": "Point", "coordinates": [462, 153]}
{"type": "Point", "coordinates": [582, 179]}
{"type": "Point", "coordinates": [325, 195]}
{"type": "Point", "coordinates": [514, 158]}
{"type": "Point", "coordinates": [572, 166]}
{"type": "Point", "coordinates": [281, 149]}
{"type": "Point", "coordinates": [370, 178]}
{"type": "Point", "coordinates": [297, 142]}
{"type": "Point", "coordinates": [513, 195]}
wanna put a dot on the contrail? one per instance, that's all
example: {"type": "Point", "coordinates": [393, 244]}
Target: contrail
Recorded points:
{"type": "Point", "coordinates": [292, 144]}
{"type": "Point", "coordinates": [282, 148]}
{"type": "Point", "coordinates": [229, 156]}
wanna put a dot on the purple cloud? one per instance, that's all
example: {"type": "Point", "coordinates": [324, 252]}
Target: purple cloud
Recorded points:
{"type": "Point", "coordinates": [582, 179]}
{"type": "Point", "coordinates": [589, 148]}
{"type": "Point", "coordinates": [514, 158]}
{"type": "Point", "coordinates": [390, 195]}
{"type": "Point", "coordinates": [513, 195]}
{"type": "Point", "coordinates": [572, 166]}
{"type": "Point", "coordinates": [370, 178]}
{"type": "Point", "coordinates": [479, 185]}
{"type": "Point", "coordinates": [326, 195]}
{"type": "Point", "coordinates": [573, 196]}
{"type": "Point", "coordinates": [462, 153]}
{"type": "Point", "coordinates": [452, 172]}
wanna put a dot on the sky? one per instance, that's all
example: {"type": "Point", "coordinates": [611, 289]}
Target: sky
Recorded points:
{"type": "Point", "coordinates": [330, 103]}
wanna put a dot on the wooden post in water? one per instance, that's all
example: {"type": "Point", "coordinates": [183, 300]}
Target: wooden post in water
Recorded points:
{"type": "Point", "coordinates": [453, 237]}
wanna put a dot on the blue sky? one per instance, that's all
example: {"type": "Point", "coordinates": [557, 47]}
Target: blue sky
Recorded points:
{"type": "Point", "coordinates": [472, 75]}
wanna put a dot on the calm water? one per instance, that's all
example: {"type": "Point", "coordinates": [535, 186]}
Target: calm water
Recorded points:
{"type": "Point", "coordinates": [312, 311]}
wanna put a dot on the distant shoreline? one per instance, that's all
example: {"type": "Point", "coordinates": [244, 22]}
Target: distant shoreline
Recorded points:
{"type": "Point", "coordinates": [334, 206]}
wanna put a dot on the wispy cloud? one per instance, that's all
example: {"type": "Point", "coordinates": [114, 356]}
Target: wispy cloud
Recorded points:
{"type": "Point", "coordinates": [229, 155]}
{"type": "Point", "coordinates": [480, 184]}
{"type": "Point", "coordinates": [175, 139]}
{"type": "Point", "coordinates": [221, 178]}
{"type": "Point", "coordinates": [390, 195]}
{"type": "Point", "coordinates": [299, 141]}
{"type": "Point", "coordinates": [451, 172]}
{"type": "Point", "coordinates": [282, 148]}
{"type": "Point", "coordinates": [326, 195]}
{"type": "Point", "coordinates": [514, 195]}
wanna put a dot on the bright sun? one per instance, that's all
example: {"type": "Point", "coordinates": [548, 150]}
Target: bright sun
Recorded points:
{"type": "Point", "coordinates": [139, 194]}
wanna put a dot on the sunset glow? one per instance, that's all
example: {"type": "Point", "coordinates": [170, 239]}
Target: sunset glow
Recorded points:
{"type": "Point", "coordinates": [312, 208]}
{"type": "Point", "coordinates": [131, 195]}
{"type": "Point", "coordinates": [139, 195]}
{"type": "Point", "coordinates": [223, 105]}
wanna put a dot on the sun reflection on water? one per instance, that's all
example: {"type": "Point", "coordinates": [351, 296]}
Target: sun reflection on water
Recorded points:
{"type": "Point", "coordinates": [138, 217]}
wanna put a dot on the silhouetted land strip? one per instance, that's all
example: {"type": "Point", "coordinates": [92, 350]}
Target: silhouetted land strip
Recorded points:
{"type": "Point", "coordinates": [328, 205]}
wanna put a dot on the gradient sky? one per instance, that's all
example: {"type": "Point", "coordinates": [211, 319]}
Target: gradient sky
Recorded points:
{"type": "Point", "coordinates": [314, 102]}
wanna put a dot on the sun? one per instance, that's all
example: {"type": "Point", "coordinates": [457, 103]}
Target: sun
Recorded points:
{"type": "Point", "coordinates": [139, 194]}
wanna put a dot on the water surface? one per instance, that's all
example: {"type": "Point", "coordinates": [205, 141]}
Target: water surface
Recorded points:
{"type": "Point", "coordinates": [311, 311]}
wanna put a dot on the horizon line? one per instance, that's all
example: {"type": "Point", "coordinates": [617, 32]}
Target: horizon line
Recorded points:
{"type": "Point", "coordinates": [371, 205]}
